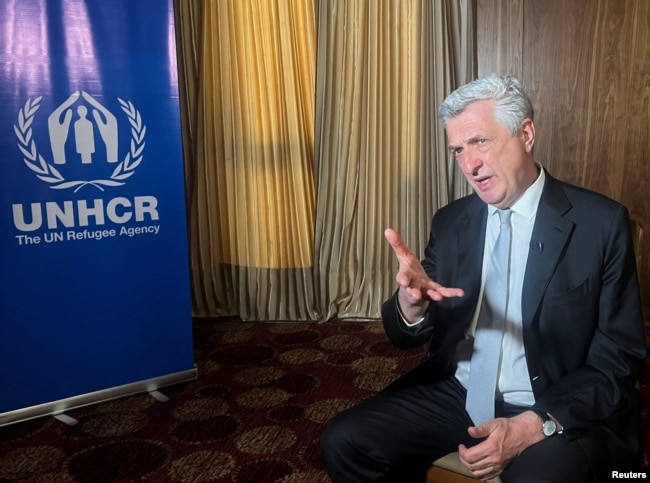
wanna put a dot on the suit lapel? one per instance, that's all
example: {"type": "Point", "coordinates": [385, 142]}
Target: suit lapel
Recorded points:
{"type": "Point", "coordinates": [548, 241]}
{"type": "Point", "coordinates": [470, 238]}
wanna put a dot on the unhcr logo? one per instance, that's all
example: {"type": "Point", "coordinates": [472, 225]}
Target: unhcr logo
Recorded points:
{"type": "Point", "coordinates": [84, 142]}
{"type": "Point", "coordinates": [65, 124]}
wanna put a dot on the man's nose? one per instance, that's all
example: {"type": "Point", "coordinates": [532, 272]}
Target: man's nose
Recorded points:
{"type": "Point", "coordinates": [470, 162]}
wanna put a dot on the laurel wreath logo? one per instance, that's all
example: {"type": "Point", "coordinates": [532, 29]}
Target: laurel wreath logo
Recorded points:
{"type": "Point", "coordinates": [48, 173]}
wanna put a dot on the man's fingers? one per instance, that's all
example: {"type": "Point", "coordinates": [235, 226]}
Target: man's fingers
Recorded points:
{"type": "Point", "coordinates": [397, 242]}
{"type": "Point", "coordinates": [407, 262]}
{"type": "Point", "coordinates": [393, 237]}
{"type": "Point", "coordinates": [414, 293]}
{"type": "Point", "coordinates": [440, 293]}
{"type": "Point", "coordinates": [412, 276]}
{"type": "Point", "coordinates": [419, 288]}
{"type": "Point", "coordinates": [479, 464]}
{"type": "Point", "coordinates": [478, 432]}
{"type": "Point", "coordinates": [403, 279]}
{"type": "Point", "coordinates": [462, 449]}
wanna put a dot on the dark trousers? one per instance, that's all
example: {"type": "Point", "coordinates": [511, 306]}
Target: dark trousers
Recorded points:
{"type": "Point", "coordinates": [395, 436]}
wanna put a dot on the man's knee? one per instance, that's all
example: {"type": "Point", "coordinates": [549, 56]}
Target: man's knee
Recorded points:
{"type": "Point", "coordinates": [348, 448]}
{"type": "Point", "coordinates": [330, 440]}
{"type": "Point", "coordinates": [337, 438]}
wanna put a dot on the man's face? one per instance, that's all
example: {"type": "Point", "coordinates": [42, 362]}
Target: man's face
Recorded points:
{"type": "Point", "coordinates": [498, 165]}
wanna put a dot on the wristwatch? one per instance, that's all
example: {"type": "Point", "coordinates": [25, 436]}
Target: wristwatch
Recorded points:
{"type": "Point", "coordinates": [549, 427]}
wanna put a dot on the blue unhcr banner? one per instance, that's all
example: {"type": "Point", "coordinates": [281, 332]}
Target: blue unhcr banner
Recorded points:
{"type": "Point", "coordinates": [94, 282]}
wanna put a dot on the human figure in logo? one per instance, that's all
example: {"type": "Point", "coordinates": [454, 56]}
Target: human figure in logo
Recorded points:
{"type": "Point", "coordinates": [107, 125]}
{"type": "Point", "coordinates": [84, 136]}
{"type": "Point", "coordinates": [59, 126]}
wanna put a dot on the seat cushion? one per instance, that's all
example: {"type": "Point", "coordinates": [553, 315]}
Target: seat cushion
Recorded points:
{"type": "Point", "coordinates": [450, 462]}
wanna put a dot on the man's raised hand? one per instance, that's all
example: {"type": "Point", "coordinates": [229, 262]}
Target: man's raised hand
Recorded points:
{"type": "Point", "coordinates": [412, 278]}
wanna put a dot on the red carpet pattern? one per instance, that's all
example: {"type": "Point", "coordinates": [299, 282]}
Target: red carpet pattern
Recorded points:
{"type": "Point", "coordinates": [255, 414]}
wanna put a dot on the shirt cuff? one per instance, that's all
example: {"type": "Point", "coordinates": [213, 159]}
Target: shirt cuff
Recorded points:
{"type": "Point", "coordinates": [406, 322]}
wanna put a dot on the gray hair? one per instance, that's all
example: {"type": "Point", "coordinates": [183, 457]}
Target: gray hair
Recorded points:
{"type": "Point", "coordinates": [512, 103]}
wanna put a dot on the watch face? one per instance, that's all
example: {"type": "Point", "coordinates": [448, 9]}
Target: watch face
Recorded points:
{"type": "Point", "coordinates": [549, 427]}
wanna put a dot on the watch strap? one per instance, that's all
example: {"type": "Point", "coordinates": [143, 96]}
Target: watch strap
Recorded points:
{"type": "Point", "coordinates": [543, 415]}
{"type": "Point", "coordinates": [549, 426]}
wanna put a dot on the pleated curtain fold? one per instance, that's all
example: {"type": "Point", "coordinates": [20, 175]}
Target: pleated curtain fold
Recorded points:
{"type": "Point", "coordinates": [309, 127]}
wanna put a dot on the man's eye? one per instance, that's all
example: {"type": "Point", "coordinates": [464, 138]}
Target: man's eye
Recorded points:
{"type": "Point", "coordinates": [457, 151]}
{"type": "Point", "coordinates": [483, 144]}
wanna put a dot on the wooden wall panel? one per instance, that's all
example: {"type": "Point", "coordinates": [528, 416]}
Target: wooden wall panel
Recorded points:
{"type": "Point", "coordinates": [500, 36]}
{"type": "Point", "coordinates": [586, 64]}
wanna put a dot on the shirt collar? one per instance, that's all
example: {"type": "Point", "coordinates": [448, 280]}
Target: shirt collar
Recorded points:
{"type": "Point", "coordinates": [526, 205]}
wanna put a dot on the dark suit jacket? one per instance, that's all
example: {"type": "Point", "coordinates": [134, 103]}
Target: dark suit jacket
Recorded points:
{"type": "Point", "coordinates": [582, 318]}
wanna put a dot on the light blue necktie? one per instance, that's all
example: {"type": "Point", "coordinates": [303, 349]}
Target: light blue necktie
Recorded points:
{"type": "Point", "coordinates": [484, 365]}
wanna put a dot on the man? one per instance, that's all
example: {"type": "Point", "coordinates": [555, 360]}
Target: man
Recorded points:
{"type": "Point", "coordinates": [570, 342]}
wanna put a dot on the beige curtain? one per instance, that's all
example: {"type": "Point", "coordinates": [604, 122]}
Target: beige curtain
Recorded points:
{"type": "Point", "coordinates": [310, 127]}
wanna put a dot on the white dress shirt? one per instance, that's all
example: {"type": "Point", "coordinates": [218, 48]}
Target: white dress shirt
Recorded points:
{"type": "Point", "coordinates": [513, 381]}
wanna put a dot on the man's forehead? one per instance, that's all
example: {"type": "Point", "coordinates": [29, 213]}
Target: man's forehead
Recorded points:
{"type": "Point", "coordinates": [469, 133]}
{"type": "Point", "coordinates": [476, 121]}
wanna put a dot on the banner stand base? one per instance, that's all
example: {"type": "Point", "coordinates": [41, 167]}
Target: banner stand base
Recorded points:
{"type": "Point", "coordinates": [58, 407]}
{"type": "Point", "coordinates": [158, 396]}
{"type": "Point", "coordinates": [65, 419]}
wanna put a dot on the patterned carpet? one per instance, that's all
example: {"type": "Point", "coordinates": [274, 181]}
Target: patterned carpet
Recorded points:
{"type": "Point", "coordinates": [255, 414]}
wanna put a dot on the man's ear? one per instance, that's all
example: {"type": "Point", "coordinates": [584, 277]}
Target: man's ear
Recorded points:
{"type": "Point", "coordinates": [528, 134]}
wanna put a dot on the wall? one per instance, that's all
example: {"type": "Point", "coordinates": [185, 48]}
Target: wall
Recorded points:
{"type": "Point", "coordinates": [586, 64]}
